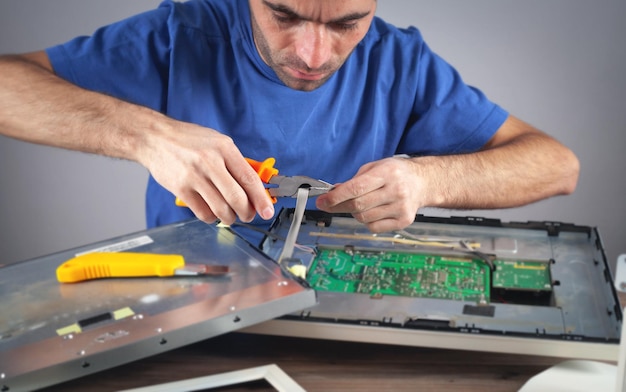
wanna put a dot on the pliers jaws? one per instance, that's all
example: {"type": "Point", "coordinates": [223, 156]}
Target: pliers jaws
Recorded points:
{"type": "Point", "coordinates": [287, 186]}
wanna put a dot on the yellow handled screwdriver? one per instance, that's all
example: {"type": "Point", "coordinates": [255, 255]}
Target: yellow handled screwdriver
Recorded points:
{"type": "Point", "coordinates": [128, 265]}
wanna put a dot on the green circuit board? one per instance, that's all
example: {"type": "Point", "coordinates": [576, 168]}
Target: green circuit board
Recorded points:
{"type": "Point", "coordinates": [380, 273]}
{"type": "Point", "coordinates": [522, 275]}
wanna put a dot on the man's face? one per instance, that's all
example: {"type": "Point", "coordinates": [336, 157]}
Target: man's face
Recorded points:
{"type": "Point", "coordinates": [306, 41]}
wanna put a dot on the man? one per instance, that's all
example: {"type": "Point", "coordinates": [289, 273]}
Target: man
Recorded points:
{"type": "Point", "coordinates": [190, 89]}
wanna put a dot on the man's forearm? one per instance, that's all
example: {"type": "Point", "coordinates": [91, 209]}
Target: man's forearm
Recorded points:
{"type": "Point", "coordinates": [202, 166]}
{"type": "Point", "coordinates": [523, 170]}
{"type": "Point", "coordinates": [38, 107]}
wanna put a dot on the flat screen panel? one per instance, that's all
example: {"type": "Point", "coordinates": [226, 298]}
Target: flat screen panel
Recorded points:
{"type": "Point", "coordinates": [51, 332]}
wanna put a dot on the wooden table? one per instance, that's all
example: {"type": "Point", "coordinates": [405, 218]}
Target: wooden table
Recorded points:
{"type": "Point", "coordinates": [322, 365]}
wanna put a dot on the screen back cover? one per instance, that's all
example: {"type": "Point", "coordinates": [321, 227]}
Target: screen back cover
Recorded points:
{"type": "Point", "coordinates": [51, 332]}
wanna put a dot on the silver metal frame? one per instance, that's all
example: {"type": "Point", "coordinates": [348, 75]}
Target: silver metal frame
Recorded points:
{"type": "Point", "coordinates": [583, 321]}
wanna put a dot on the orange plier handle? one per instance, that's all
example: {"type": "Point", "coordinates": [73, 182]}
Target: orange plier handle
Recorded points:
{"type": "Point", "coordinates": [265, 169]}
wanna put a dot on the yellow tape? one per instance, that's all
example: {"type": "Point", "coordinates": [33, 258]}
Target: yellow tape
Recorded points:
{"type": "Point", "coordinates": [298, 270]}
{"type": "Point", "coordinates": [123, 313]}
{"type": "Point", "coordinates": [530, 267]}
{"type": "Point", "coordinates": [74, 328]}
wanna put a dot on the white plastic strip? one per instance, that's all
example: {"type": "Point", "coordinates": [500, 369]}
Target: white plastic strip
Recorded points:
{"type": "Point", "coordinates": [292, 235]}
{"type": "Point", "coordinates": [620, 273]}
{"type": "Point", "coordinates": [274, 375]}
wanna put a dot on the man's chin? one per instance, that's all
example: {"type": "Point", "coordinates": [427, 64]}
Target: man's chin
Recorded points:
{"type": "Point", "coordinates": [303, 84]}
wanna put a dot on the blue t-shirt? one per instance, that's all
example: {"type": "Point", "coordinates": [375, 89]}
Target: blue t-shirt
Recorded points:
{"type": "Point", "coordinates": [196, 61]}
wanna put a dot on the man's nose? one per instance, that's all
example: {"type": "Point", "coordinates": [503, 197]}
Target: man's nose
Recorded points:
{"type": "Point", "coordinates": [313, 45]}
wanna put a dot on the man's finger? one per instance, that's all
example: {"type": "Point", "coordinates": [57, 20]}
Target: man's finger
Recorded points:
{"type": "Point", "coordinates": [257, 199]}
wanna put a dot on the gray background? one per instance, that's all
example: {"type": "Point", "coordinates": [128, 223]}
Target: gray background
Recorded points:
{"type": "Point", "coordinates": [557, 64]}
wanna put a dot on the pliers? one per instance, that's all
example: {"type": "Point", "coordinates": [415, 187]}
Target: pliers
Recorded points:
{"type": "Point", "coordinates": [286, 186]}
{"type": "Point", "coordinates": [281, 186]}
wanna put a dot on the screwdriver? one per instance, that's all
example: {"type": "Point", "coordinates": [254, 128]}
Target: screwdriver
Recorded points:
{"type": "Point", "coordinates": [98, 265]}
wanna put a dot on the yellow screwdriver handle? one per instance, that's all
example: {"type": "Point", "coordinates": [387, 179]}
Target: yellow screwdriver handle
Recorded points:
{"type": "Point", "coordinates": [118, 265]}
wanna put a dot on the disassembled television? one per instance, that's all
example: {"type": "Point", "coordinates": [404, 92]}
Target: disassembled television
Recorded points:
{"type": "Point", "coordinates": [459, 283]}
{"type": "Point", "coordinates": [540, 288]}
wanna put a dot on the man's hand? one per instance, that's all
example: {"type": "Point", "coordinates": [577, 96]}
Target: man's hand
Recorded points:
{"type": "Point", "coordinates": [518, 166]}
{"type": "Point", "coordinates": [205, 169]}
{"type": "Point", "coordinates": [384, 195]}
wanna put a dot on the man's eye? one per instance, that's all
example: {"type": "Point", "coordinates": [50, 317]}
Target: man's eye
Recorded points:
{"type": "Point", "coordinates": [345, 26]}
{"type": "Point", "coordinates": [285, 18]}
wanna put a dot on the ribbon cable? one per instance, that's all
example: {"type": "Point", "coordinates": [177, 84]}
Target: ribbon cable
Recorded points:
{"type": "Point", "coordinates": [292, 235]}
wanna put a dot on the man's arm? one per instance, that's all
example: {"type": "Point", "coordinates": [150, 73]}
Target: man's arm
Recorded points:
{"type": "Point", "coordinates": [518, 166]}
{"type": "Point", "coordinates": [200, 165]}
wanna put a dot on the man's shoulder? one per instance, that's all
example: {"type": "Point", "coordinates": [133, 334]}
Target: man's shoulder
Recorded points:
{"type": "Point", "coordinates": [382, 31]}
{"type": "Point", "coordinates": [389, 45]}
{"type": "Point", "coordinates": [214, 17]}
